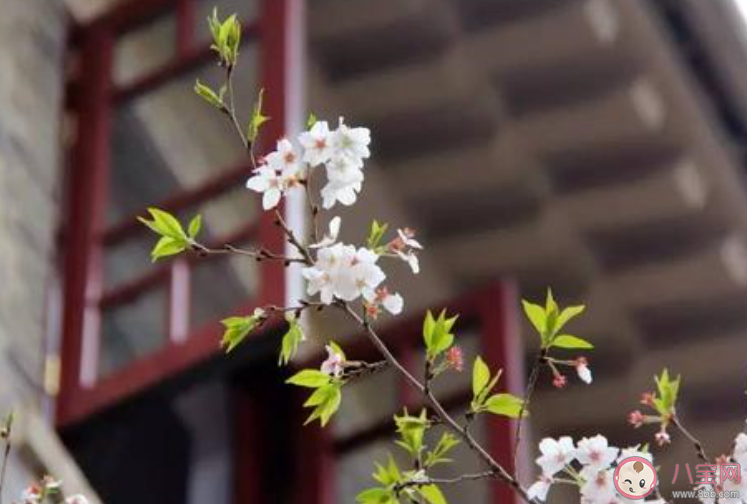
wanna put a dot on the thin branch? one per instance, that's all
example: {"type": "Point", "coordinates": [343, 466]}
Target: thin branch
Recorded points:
{"type": "Point", "coordinates": [258, 254]}
{"type": "Point", "coordinates": [445, 481]}
{"type": "Point", "coordinates": [497, 469]}
{"type": "Point", "coordinates": [531, 385]}
{"type": "Point", "coordinates": [307, 259]}
{"type": "Point", "coordinates": [699, 450]}
{"type": "Point", "coordinates": [5, 435]}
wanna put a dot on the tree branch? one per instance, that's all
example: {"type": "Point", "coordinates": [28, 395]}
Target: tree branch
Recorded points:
{"type": "Point", "coordinates": [699, 450]}
{"type": "Point", "coordinates": [496, 469]}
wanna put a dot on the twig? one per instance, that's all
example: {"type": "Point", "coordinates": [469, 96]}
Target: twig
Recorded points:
{"type": "Point", "coordinates": [497, 469]}
{"type": "Point", "coordinates": [258, 254]}
{"type": "Point", "coordinates": [307, 259]}
{"type": "Point", "coordinates": [5, 435]}
{"type": "Point", "coordinates": [444, 481]}
{"type": "Point", "coordinates": [696, 443]}
{"type": "Point", "coordinates": [531, 385]}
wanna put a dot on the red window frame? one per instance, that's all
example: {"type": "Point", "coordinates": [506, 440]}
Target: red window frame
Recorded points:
{"type": "Point", "coordinates": [92, 95]}
{"type": "Point", "coordinates": [494, 311]}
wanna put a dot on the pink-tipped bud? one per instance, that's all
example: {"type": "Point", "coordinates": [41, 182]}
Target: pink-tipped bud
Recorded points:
{"type": "Point", "coordinates": [455, 358]}
{"type": "Point", "coordinates": [636, 418]}
{"type": "Point", "coordinates": [647, 398]}
{"type": "Point", "coordinates": [662, 437]}
{"type": "Point", "coordinates": [559, 381]}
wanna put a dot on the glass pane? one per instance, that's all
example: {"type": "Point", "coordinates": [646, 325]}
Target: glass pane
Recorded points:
{"type": "Point", "coordinates": [144, 49]}
{"type": "Point", "coordinates": [353, 470]}
{"type": "Point", "coordinates": [246, 10]}
{"type": "Point", "coordinates": [133, 330]}
{"type": "Point", "coordinates": [220, 285]}
{"type": "Point", "coordinates": [222, 216]}
{"type": "Point", "coordinates": [474, 492]}
{"type": "Point", "coordinates": [365, 405]}
{"type": "Point", "coordinates": [169, 139]}
{"type": "Point", "coordinates": [128, 260]}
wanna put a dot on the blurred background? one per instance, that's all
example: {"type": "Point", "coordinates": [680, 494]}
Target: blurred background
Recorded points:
{"type": "Point", "coordinates": [594, 146]}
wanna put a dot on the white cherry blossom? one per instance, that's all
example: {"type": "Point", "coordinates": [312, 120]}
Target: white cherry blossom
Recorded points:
{"type": "Point", "coordinates": [556, 454]}
{"type": "Point", "coordinates": [77, 499]}
{"type": "Point", "coordinates": [599, 487]}
{"type": "Point", "coordinates": [344, 181]}
{"type": "Point", "coordinates": [266, 180]}
{"type": "Point", "coordinates": [406, 236]}
{"type": "Point", "coordinates": [538, 490]}
{"type": "Point", "coordinates": [740, 449]}
{"type": "Point", "coordinates": [595, 453]}
{"type": "Point", "coordinates": [317, 144]}
{"type": "Point", "coordinates": [351, 143]}
{"type": "Point", "coordinates": [330, 238]}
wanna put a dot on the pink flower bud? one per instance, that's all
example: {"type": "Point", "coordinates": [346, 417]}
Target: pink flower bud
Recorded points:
{"type": "Point", "coordinates": [455, 358]}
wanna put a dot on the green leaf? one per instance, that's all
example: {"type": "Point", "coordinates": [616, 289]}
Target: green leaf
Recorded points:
{"type": "Point", "coordinates": [257, 119]}
{"type": "Point", "coordinates": [505, 404]}
{"type": "Point", "coordinates": [569, 341]}
{"type": "Point", "coordinates": [376, 496]}
{"type": "Point", "coordinates": [412, 431]}
{"type": "Point", "coordinates": [326, 399]}
{"type": "Point", "coordinates": [388, 475]}
{"type": "Point", "coordinates": [376, 234]}
{"type": "Point", "coordinates": [238, 328]}
{"type": "Point", "coordinates": [550, 304]}
{"type": "Point", "coordinates": [291, 340]}
{"type": "Point", "coordinates": [444, 446]}
{"type": "Point", "coordinates": [432, 494]}
{"type": "Point", "coordinates": [167, 246]}
{"type": "Point", "coordinates": [194, 226]}
{"type": "Point", "coordinates": [165, 224]}
{"type": "Point", "coordinates": [310, 121]}
{"type": "Point", "coordinates": [337, 349]}
{"type": "Point", "coordinates": [311, 378]}
{"type": "Point", "coordinates": [437, 333]}
{"type": "Point", "coordinates": [567, 315]}
{"type": "Point", "coordinates": [480, 376]}
{"type": "Point", "coordinates": [536, 315]}
{"type": "Point", "coordinates": [209, 95]}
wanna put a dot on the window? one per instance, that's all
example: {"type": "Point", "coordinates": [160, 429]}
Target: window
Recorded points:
{"type": "Point", "coordinates": [142, 138]}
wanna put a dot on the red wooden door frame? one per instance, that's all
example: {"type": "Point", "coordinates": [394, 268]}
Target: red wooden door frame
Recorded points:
{"type": "Point", "coordinates": [494, 311]}
{"type": "Point", "coordinates": [92, 94]}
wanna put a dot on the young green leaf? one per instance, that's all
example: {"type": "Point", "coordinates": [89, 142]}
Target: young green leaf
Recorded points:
{"type": "Point", "coordinates": [536, 316]}
{"type": "Point", "coordinates": [376, 234]}
{"type": "Point", "coordinates": [326, 400]}
{"type": "Point", "coordinates": [310, 378]}
{"type": "Point", "coordinates": [167, 246]}
{"type": "Point", "coordinates": [310, 121]}
{"type": "Point", "coordinates": [257, 119]}
{"type": "Point", "coordinates": [437, 334]}
{"type": "Point", "coordinates": [291, 340]}
{"type": "Point", "coordinates": [570, 342]}
{"type": "Point", "coordinates": [480, 376]}
{"type": "Point", "coordinates": [412, 430]}
{"type": "Point", "coordinates": [376, 495]}
{"type": "Point", "coordinates": [209, 95]}
{"type": "Point", "coordinates": [444, 446]}
{"type": "Point", "coordinates": [194, 226]}
{"type": "Point", "coordinates": [505, 404]}
{"type": "Point", "coordinates": [238, 328]}
{"type": "Point", "coordinates": [432, 494]}
{"type": "Point", "coordinates": [164, 224]}
{"type": "Point", "coordinates": [567, 315]}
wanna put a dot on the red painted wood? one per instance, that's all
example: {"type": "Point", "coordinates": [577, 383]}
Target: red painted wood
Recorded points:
{"type": "Point", "coordinates": [83, 392]}
{"type": "Point", "coordinates": [185, 27]}
{"type": "Point", "coordinates": [87, 179]}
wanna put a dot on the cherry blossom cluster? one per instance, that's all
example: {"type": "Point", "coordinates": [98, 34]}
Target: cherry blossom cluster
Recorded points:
{"type": "Point", "coordinates": [346, 272]}
{"type": "Point", "coordinates": [38, 492]}
{"type": "Point", "coordinates": [341, 152]}
{"type": "Point", "coordinates": [588, 464]}
{"type": "Point", "coordinates": [729, 486]}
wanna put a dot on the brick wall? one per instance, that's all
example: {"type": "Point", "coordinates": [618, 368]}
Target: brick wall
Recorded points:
{"type": "Point", "coordinates": [32, 42]}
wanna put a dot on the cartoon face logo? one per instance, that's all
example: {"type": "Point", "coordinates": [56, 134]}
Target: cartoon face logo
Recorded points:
{"type": "Point", "coordinates": [635, 478]}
